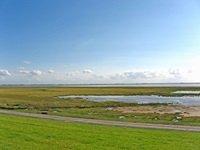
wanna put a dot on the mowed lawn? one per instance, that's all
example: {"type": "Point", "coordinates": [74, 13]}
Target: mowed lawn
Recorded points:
{"type": "Point", "coordinates": [31, 133]}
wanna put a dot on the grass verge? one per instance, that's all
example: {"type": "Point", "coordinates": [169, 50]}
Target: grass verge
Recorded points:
{"type": "Point", "coordinates": [38, 134]}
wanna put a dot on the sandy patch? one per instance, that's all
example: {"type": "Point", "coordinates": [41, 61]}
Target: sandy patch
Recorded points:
{"type": "Point", "coordinates": [185, 111]}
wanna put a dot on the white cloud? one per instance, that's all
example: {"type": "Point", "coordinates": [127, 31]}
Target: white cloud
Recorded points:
{"type": "Point", "coordinates": [174, 72]}
{"type": "Point", "coordinates": [116, 76]}
{"type": "Point", "coordinates": [134, 75]}
{"type": "Point", "coordinates": [70, 74]}
{"type": "Point", "coordinates": [87, 76]}
{"type": "Point", "coordinates": [36, 72]}
{"type": "Point", "coordinates": [4, 73]}
{"type": "Point", "coordinates": [26, 62]}
{"type": "Point", "coordinates": [51, 71]}
{"type": "Point", "coordinates": [189, 71]}
{"type": "Point", "coordinates": [24, 72]}
{"type": "Point", "coordinates": [32, 73]}
{"type": "Point", "coordinates": [86, 71]}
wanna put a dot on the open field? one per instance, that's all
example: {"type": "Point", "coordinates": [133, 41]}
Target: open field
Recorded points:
{"type": "Point", "coordinates": [43, 99]}
{"type": "Point", "coordinates": [30, 133]}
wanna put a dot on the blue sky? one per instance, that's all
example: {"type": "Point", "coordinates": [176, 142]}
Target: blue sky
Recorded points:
{"type": "Point", "coordinates": [99, 41]}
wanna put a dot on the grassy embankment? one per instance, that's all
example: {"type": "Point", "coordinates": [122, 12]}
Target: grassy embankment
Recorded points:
{"type": "Point", "coordinates": [37, 99]}
{"type": "Point", "coordinates": [29, 133]}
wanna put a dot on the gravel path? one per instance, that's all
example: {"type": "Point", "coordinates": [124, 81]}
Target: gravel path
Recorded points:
{"type": "Point", "coordinates": [105, 122]}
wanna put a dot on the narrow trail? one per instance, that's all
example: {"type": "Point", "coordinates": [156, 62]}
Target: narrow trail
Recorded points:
{"type": "Point", "coordinates": [105, 122]}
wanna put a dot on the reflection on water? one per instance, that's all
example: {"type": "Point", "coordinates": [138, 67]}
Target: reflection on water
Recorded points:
{"type": "Point", "coordinates": [185, 100]}
{"type": "Point", "coordinates": [186, 92]}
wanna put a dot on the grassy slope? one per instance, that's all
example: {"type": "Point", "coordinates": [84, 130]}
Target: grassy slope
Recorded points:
{"type": "Point", "coordinates": [30, 133]}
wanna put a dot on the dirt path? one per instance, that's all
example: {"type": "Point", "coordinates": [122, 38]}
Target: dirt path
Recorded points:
{"type": "Point", "coordinates": [105, 122]}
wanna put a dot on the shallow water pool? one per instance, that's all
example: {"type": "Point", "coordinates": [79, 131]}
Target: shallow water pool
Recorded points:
{"type": "Point", "coordinates": [141, 99]}
{"type": "Point", "coordinates": [186, 92]}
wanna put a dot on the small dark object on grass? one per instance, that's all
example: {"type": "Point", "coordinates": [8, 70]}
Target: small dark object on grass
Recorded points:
{"type": "Point", "coordinates": [44, 112]}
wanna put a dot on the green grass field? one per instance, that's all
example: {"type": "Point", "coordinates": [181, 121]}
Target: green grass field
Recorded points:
{"type": "Point", "coordinates": [38, 99]}
{"type": "Point", "coordinates": [37, 134]}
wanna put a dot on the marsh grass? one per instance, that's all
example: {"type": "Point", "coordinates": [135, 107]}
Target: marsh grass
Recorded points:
{"type": "Point", "coordinates": [39, 99]}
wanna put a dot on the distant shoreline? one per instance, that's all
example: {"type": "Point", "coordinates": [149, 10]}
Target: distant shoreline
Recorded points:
{"type": "Point", "coordinates": [108, 85]}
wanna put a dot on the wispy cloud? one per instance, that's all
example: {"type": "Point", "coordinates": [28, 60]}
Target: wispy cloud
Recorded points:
{"type": "Point", "coordinates": [22, 68]}
{"type": "Point", "coordinates": [26, 62]}
{"type": "Point", "coordinates": [24, 72]}
{"type": "Point", "coordinates": [136, 76]}
{"type": "Point", "coordinates": [70, 74]}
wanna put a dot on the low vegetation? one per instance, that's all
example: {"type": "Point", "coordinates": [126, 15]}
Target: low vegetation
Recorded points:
{"type": "Point", "coordinates": [37, 134]}
{"type": "Point", "coordinates": [44, 100]}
